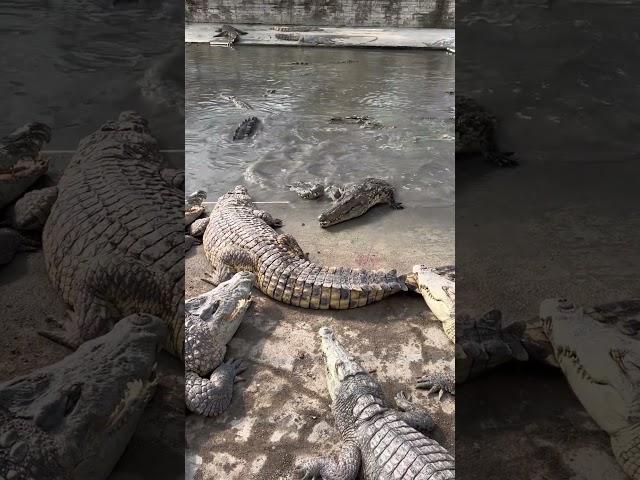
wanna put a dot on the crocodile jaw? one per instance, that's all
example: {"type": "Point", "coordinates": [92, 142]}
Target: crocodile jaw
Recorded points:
{"type": "Point", "coordinates": [438, 292]}
{"type": "Point", "coordinates": [339, 363]}
{"type": "Point", "coordinates": [601, 365]}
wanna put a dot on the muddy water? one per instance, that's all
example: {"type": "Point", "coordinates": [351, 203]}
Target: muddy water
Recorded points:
{"type": "Point", "coordinates": [404, 91]}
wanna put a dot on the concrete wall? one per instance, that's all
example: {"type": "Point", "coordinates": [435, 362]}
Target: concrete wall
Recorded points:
{"type": "Point", "coordinates": [360, 13]}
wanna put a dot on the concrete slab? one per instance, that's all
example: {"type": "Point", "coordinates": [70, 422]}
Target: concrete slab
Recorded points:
{"type": "Point", "coordinates": [427, 38]}
{"type": "Point", "coordinates": [282, 414]}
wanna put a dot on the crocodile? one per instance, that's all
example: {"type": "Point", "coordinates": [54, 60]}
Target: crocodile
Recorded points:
{"type": "Point", "coordinates": [237, 102]}
{"type": "Point", "coordinates": [231, 32]}
{"type": "Point", "coordinates": [198, 227]}
{"type": "Point", "coordinates": [21, 162]}
{"type": "Point", "coordinates": [194, 206]}
{"type": "Point", "coordinates": [307, 190]}
{"type": "Point", "coordinates": [357, 199]}
{"type": "Point", "coordinates": [384, 442]}
{"type": "Point", "coordinates": [596, 348]}
{"type": "Point", "coordinates": [476, 135]}
{"type": "Point", "coordinates": [211, 322]}
{"type": "Point", "coordinates": [247, 128]}
{"type": "Point", "coordinates": [31, 211]}
{"type": "Point", "coordinates": [113, 241]}
{"type": "Point", "coordinates": [361, 121]}
{"type": "Point", "coordinates": [438, 288]}
{"type": "Point", "coordinates": [73, 419]}
{"type": "Point", "coordinates": [13, 242]}
{"type": "Point", "coordinates": [240, 237]}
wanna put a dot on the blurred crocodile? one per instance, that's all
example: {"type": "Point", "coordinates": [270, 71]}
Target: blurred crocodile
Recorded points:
{"type": "Point", "coordinates": [211, 322]}
{"type": "Point", "coordinates": [386, 442]}
{"type": "Point", "coordinates": [475, 133]}
{"type": "Point", "coordinates": [231, 32]}
{"type": "Point", "coordinates": [248, 127]}
{"type": "Point", "coordinates": [73, 419]}
{"type": "Point", "coordinates": [239, 237]}
{"type": "Point", "coordinates": [357, 199]}
{"type": "Point", "coordinates": [21, 163]}
{"type": "Point", "coordinates": [113, 242]}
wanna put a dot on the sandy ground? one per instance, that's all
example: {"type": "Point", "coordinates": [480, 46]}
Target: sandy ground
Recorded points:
{"type": "Point", "coordinates": [282, 414]}
{"type": "Point", "coordinates": [429, 38]}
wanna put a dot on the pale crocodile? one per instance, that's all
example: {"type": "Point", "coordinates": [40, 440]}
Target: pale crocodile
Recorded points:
{"type": "Point", "coordinates": [385, 443]}
{"type": "Point", "coordinates": [113, 242]}
{"type": "Point", "coordinates": [239, 237]}
{"type": "Point", "coordinates": [357, 199]}
{"type": "Point", "coordinates": [230, 32]}
{"type": "Point", "coordinates": [73, 419]}
{"type": "Point", "coordinates": [476, 133]}
{"type": "Point", "coordinates": [21, 162]}
{"type": "Point", "coordinates": [211, 322]}
{"type": "Point", "coordinates": [597, 349]}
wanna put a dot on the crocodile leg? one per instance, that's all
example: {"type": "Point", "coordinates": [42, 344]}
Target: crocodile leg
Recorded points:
{"type": "Point", "coordinates": [268, 218]}
{"type": "Point", "coordinates": [212, 396]}
{"type": "Point", "coordinates": [229, 261]}
{"type": "Point", "coordinates": [345, 467]}
{"type": "Point", "coordinates": [439, 383]}
{"type": "Point", "coordinates": [288, 242]}
{"type": "Point", "coordinates": [413, 415]}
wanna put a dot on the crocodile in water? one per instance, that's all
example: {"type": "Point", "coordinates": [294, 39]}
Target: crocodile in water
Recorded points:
{"type": "Point", "coordinates": [113, 242]}
{"type": "Point", "coordinates": [73, 419]}
{"type": "Point", "coordinates": [247, 128]}
{"type": "Point", "coordinates": [239, 237]}
{"type": "Point", "coordinates": [476, 133]}
{"type": "Point", "coordinates": [211, 322]}
{"type": "Point", "coordinates": [357, 199]}
{"type": "Point", "coordinates": [386, 443]}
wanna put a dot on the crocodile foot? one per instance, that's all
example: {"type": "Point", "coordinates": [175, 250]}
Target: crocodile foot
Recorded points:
{"type": "Point", "coordinates": [413, 415]}
{"type": "Point", "coordinates": [439, 382]}
{"type": "Point", "coordinates": [212, 396]}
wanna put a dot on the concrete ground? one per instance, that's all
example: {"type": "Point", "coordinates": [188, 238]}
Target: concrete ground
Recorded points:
{"type": "Point", "coordinates": [430, 38]}
{"type": "Point", "coordinates": [282, 414]}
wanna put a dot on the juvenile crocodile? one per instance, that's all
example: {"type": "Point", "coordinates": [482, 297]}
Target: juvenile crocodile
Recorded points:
{"type": "Point", "coordinates": [73, 419]}
{"type": "Point", "coordinates": [211, 322]}
{"type": "Point", "coordinates": [239, 237]}
{"type": "Point", "coordinates": [476, 135]}
{"type": "Point", "coordinates": [113, 242]}
{"type": "Point", "coordinates": [438, 288]}
{"type": "Point", "coordinates": [231, 32]}
{"type": "Point", "coordinates": [385, 441]}
{"type": "Point", "coordinates": [21, 163]}
{"type": "Point", "coordinates": [248, 127]}
{"type": "Point", "coordinates": [355, 200]}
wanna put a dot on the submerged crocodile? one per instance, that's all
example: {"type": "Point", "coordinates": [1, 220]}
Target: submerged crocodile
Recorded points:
{"type": "Point", "coordinates": [231, 32]}
{"type": "Point", "coordinates": [247, 128]}
{"type": "Point", "coordinates": [239, 238]}
{"type": "Point", "coordinates": [21, 163]}
{"type": "Point", "coordinates": [361, 121]}
{"type": "Point", "coordinates": [384, 442]}
{"type": "Point", "coordinates": [598, 350]}
{"type": "Point", "coordinates": [113, 242]}
{"type": "Point", "coordinates": [476, 135]}
{"type": "Point", "coordinates": [73, 419]}
{"type": "Point", "coordinates": [237, 102]}
{"type": "Point", "coordinates": [211, 322]}
{"type": "Point", "coordinates": [357, 199]}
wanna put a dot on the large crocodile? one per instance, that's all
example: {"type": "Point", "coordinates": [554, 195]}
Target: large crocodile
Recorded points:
{"type": "Point", "coordinates": [211, 322]}
{"type": "Point", "coordinates": [597, 349]}
{"type": "Point", "coordinates": [476, 135]}
{"type": "Point", "coordinates": [239, 237]}
{"type": "Point", "coordinates": [73, 419]}
{"type": "Point", "coordinates": [21, 163]}
{"type": "Point", "coordinates": [357, 199]}
{"type": "Point", "coordinates": [385, 441]}
{"type": "Point", "coordinates": [113, 243]}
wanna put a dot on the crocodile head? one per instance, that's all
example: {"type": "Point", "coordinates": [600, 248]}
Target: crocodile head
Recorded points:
{"type": "Point", "coordinates": [73, 419]}
{"type": "Point", "coordinates": [21, 163]}
{"type": "Point", "coordinates": [239, 195]}
{"type": "Point", "coordinates": [212, 320]}
{"type": "Point", "coordinates": [438, 291]}
{"type": "Point", "coordinates": [600, 360]}
{"type": "Point", "coordinates": [339, 364]}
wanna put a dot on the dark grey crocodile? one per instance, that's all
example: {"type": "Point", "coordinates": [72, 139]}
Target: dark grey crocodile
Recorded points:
{"type": "Point", "coordinates": [211, 322]}
{"type": "Point", "coordinates": [73, 419]}
{"type": "Point", "coordinates": [239, 238]}
{"type": "Point", "coordinates": [383, 442]}
{"type": "Point", "coordinates": [247, 128]}
{"type": "Point", "coordinates": [476, 133]}
{"type": "Point", "coordinates": [113, 243]}
{"type": "Point", "coordinates": [357, 199]}
{"type": "Point", "coordinates": [231, 32]}
{"type": "Point", "coordinates": [21, 163]}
